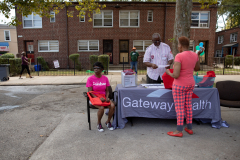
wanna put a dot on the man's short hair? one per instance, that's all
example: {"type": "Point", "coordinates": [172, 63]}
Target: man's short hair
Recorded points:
{"type": "Point", "coordinates": [184, 41]}
{"type": "Point", "coordinates": [156, 35]}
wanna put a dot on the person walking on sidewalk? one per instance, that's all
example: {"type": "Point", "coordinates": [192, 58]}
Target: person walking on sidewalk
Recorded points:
{"type": "Point", "coordinates": [134, 59]}
{"type": "Point", "coordinates": [25, 64]}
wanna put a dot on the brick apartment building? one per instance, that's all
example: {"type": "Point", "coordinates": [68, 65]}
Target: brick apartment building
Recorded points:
{"type": "Point", "coordinates": [119, 27]}
{"type": "Point", "coordinates": [227, 42]}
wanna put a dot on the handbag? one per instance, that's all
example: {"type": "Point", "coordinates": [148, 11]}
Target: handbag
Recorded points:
{"type": "Point", "coordinates": [96, 100]}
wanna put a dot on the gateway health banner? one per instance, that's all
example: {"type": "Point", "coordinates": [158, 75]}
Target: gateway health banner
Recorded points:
{"type": "Point", "coordinates": [158, 103]}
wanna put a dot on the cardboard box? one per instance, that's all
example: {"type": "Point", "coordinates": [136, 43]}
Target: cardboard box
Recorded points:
{"type": "Point", "coordinates": [129, 80]}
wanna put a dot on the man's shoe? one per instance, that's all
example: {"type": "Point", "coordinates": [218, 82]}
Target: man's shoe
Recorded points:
{"type": "Point", "coordinates": [188, 130]}
{"type": "Point", "coordinates": [175, 135]}
{"type": "Point", "coordinates": [100, 128]}
{"type": "Point", "coordinates": [109, 126]}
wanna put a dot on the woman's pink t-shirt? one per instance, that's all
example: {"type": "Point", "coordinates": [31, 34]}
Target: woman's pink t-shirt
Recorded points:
{"type": "Point", "coordinates": [98, 84]}
{"type": "Point", "coordinates": [188, 60]}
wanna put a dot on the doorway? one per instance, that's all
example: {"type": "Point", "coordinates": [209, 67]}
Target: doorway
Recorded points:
{"type": "Point", "coordinates": [123, 52]}
{"type": "Point", "coordinates": [108, 49]}
{"type": "Point", "coordinates": [29, 49]}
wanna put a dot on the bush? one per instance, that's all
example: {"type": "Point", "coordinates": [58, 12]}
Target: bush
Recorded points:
{"type": "Point", "coordinates": [7, 55]}
{"type": "Point", "coordinates": [15, 66]}
{"type": "Point", "coordinates": [43, 63]}
{"type": "Point", "coordinates": [4, 61]}
{"type": "Point", "coordinates": [93, 59]}
{"type": "Point", "coordinates": [237, 60]}
{"type": "Point", "coordinates": [74, 57]}
{"type": "Point", "coordinates": [104, 59]}
{"type": "Point", "coordinates": [228, 60]}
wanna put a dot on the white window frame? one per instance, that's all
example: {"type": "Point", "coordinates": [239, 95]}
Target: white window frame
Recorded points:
{"type": "Point", "coordinates": [199, 12]}
{"type": "Point", "coordinates": [148, 15]}
{"type": "Point", "coordinates": [129, 19]}
{"type": "Point", "coordinates": [32, 21]}
{"type": "Point", "coordinates": [218, 53]}
{"type": "Point", "coordinates": [5, 35]}
{"type": "Point", "coordinates": [88, 50]}
{"type": "Point", "coordinates": [143, 49]}
{"type": "Point", "coordinates": [48, 46]}
{"type": "Point", "coordinates": [52, 12]}
{"type": "Point", "coordinates": [233, 37]}
{"type": "Point", "coordinates": [80, 18]}
{"type": "Point", "coordinates": [220, 39]}
{"type": "Point", "coordinates": [193, 44]}
{"type": "Point", "coordinates": [102, 12]}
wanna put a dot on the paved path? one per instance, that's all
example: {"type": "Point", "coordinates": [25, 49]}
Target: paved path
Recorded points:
{"type": "Point", "coordinates": [67, 80]}
{"type": "Point", "coordinates": [147, 139]}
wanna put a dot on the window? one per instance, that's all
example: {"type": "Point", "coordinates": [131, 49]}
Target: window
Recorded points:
{"type": "Point", "coordinates": [129, 19]}
{"type": "Point", "coordinates": [52, 19]}
{"type": "Point", "coordinates": [30, 48]}
{"type": "Point", "coordinates": [200, 20]}
{"type": "Point", "coordinates": [88, 45]}
{"type": "Point", "coordinates": [218, 53]}
{"type": "Point", "coordinates": [48, 46]}
{"type": "Point", "coordinates": [233, 37]}
{"type": "Point", "coordinates": [32, 21]}
{"type": "Point", "coordinates": [150, 16]}
{"type": "Point", "coordinates": [82, 18]}
{"type": "Point", "coordinates": [7, 35]}
{"type": "Point", "coordinates": [104, 19]}
{"type": "Point", "coordinates": [141, 45]}
{"type": "Point", "coordinates": [191, 45]}
{"type": "Point", "coordinates": [220, 39]}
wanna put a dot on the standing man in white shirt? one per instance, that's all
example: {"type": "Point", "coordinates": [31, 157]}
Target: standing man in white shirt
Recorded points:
{"type": "Point", "coordinates": [155, 58]}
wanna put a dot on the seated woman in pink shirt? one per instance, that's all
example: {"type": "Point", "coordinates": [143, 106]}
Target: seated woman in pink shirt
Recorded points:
{"type": "Point", "coordinates": [185, 63]}
{"type": "Point", "coordinates": [100, 83]}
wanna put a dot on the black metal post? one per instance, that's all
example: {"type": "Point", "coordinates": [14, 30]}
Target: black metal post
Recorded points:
{"type": "Point", "coordinates": [37, 67]}
{"type": "Point", "coordinates": [74, 67]}
{"type": "Point", "coordinates": [9, 66]}
{"type": "Point", "coordinates": [107, 65]}
{"type": "Point", "coordinates": [223, 65]}
{"type": "Point", "coordinates": [123, 63]}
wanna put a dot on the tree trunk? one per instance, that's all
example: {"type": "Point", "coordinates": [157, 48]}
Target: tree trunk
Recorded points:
{"type": "Point", "coordinates": [182, 22]}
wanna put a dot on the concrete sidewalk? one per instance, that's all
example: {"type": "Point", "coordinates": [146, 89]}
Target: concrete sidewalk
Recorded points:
{"type": "Point", "coordinates": [72, 80]}
{"type": "Point", "coordinates": [146, 140]}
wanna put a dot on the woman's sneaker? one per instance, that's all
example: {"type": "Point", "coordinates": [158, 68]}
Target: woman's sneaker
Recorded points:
{"type": "Point", "coordinates": [100, 128]}
{"type": "Point", "coordinates": [109, 126]}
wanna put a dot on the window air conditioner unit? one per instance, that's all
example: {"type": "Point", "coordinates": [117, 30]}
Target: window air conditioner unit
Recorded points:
{"type": "Point", "coordinates": [203, 25]}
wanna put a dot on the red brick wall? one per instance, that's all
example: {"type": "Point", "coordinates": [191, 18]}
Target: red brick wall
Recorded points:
{"type": "Point", "coordinates": [85, 31]}
{"type": "Point", "coordinates": [226, 40]}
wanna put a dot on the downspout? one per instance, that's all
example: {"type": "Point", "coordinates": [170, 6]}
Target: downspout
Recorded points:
{"type": "Point", "coordinates": [165, 14]}
{"type": "Point", "coordinates": [67, 37]}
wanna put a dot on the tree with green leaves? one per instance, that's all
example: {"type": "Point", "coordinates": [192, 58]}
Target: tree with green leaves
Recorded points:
{"type": "Point", "coordinates": [182, 22]}
{"type": "Point", "coordinates": [230, 8]}
{"type": "Point", "coordinates": [43, 7]}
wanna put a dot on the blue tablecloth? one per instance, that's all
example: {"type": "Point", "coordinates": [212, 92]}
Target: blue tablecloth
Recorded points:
{"type": "Point", "coordinates": [158, 103]}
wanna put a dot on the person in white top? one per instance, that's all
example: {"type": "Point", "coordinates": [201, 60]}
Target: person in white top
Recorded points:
{"type": "Point", "coordinates": [156, 58]}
